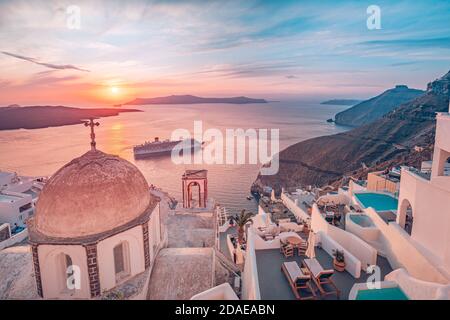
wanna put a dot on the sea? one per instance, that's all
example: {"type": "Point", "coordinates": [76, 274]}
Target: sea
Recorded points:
{"type": "Point", "coordinates": [40, 152]}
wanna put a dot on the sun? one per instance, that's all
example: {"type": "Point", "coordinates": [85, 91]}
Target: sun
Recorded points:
{"type": "Point", "coordinates": [114, 90]}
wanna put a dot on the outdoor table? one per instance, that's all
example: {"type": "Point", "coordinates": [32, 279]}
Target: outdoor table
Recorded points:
{"type": "Point", "coordinates": [295, 241]}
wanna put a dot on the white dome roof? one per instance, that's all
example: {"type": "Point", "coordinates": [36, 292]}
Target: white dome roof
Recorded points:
{"type": "Point", "coordinates": [91, 194]}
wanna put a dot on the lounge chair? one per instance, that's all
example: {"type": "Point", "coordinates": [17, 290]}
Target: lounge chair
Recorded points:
{"type": "Point", "coordinates": [298, 281]}
{"type": "Point", "coordinates": [302, 248]}
{"type": "Point", "coordinates": [287, 250]}
{"type": "Point", "coordinates": [321, 277]}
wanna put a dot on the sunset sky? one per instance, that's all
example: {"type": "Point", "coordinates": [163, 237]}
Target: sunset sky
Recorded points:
{"type": "Point", "coordinates": [274, 50]}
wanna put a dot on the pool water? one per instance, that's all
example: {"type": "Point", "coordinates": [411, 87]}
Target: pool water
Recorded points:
{"type": "Point", "coordinates": [395, 293]}
{"type": "Point", "coordinates": [378, 201]}
{"type": "Point", "coordinates": [8, 198]}
{"type": "Point", "coordinates": [362, 220]}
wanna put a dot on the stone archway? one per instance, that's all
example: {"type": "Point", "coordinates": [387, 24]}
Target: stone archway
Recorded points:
{"type": "Point", "coordinates": [192, 179]}
{"type": "Point", "coordinates": [406, 216]}
{"type": "Point", "coordinates": [193, 189]}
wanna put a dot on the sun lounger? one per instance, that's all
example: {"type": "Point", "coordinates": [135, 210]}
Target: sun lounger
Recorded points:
{"type": "Point", "coordinates": [298, 281]}
{"type": "Point", "coordinates": [287, 250]}
{"type": "Point", "coordinates": [321, 277]}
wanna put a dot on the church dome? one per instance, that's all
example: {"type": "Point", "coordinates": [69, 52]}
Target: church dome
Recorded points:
{"type": "Point", "coordinates": [94, 193]}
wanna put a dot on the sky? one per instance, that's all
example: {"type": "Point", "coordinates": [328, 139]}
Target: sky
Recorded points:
{"type": "Point", "coordinates": [263, 49]}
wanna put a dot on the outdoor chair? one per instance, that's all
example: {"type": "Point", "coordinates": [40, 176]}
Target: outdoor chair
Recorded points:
{"type": "Point", "coordinates": [321, 277]}
{"type": "Point", "coordinates": [299, 282]}
{"type": "Point", "coordinates": [288, 250]}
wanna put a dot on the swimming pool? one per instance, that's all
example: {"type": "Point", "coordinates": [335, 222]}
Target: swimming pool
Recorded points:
{"type": "Point", "coordinates": [361, 220]}
{"type": "Point", "coordinates": [378, 201]}
{"type": "Point", "coordinates": [394, 293]}
{"type": "Point", "coordinates": [8, 198]}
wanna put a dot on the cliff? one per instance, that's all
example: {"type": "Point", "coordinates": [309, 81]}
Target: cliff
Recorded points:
{"type": "Point", "coordinates": [376, 107]}
{"type": "Point", "coordinates": [389, 140]}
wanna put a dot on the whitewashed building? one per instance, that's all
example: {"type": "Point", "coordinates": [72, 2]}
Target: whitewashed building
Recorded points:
{"type": "Point", "coordinates": [96, 228]}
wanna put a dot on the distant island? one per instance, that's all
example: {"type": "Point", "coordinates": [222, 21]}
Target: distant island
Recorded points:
{"type": "Point", "coordinates": [189, 99]}
{"type": "Point", "coordinates": [341, 102]}
{"type": "Point", "coordinates": [36, 117]}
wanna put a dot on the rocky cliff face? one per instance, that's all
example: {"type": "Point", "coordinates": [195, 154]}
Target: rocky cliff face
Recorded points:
{"type": "Point", "coordinates": [323, 160]}
{"type": "Point", "coordinates": [440, 86]}
{"type": "Point", "coordinates": [375, 108]}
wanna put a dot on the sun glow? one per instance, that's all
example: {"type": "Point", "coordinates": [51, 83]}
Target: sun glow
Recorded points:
{"type": "Point", "coordinates": [114, 90]}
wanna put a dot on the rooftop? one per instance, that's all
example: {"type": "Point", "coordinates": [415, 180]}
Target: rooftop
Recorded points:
{"type": "Point", "coordinates": [180, 273]}
{"type": "Point", "coordinates": [196, 174]}
{"type": "Point", "coordinates": [274, 285]}
{"type": "Point", "coordinates": [277, 210]}
{"type": "Point", "coordinates": [304, 199]}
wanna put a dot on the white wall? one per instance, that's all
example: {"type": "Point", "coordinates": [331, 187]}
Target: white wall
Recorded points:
{"type": "Point", "coordinates": [339, 198]}
{"type": "Point", "coordinates": [431, 213]}
{"type": "Point", "coordinates": [417, 289]}
{"type": "Point", "coordinates": [442, 139]}
{"type": "Point", "coordinates": [366, 233]}
{"type": "Point", "coordinates": [18, 237]}
{"type": "Point", "coordinates": [354, 187]}
{"type": "Point", "coordinates": [352, 264]}
{"type": "Point", "coordinates": [402, 252]}
{"type": "Point", "coordinates": [220, 292]}
{"type": "Point", "coordinates": [296, 210]}
{"type": "Point", "coordinates": [250, 281]}
{"type": "Point", "coordinates": [156, 232]}
{"type": "Point", "coordinates": [353, 244]}
{"type": "Point", "coordinates": [10, 211]}
{"type": "Point", "coordinates": [52, 271]}
{"type": "Point", "coordinates": [134, 238]}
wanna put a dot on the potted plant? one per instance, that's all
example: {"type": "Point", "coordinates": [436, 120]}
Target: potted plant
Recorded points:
{"type": "Point", "coordinates": [241, 220]}
{"type": "Point", "coordinates": [339, 260]}
{"type": "Point", "coordinates": [231, 221]}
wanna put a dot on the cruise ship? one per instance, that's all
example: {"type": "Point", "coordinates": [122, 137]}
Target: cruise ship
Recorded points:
{"type": "Point", "coordinates": [157, 147]}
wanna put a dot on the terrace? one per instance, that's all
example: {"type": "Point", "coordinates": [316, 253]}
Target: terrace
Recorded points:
{"type": "Point", "coordinates": [303, 200]}
{"type": "Point", "coordinates": [278, 211]}
{"type": "Point", "coordinates": [274, 285]}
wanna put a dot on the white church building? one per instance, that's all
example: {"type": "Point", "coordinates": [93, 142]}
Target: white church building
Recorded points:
{"type": "Point", "coordinates": [96, 227]}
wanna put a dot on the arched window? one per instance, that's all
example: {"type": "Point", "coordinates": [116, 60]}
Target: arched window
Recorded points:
{"type": "Point", "coordinates": [447, 167]}
{"type": "Point", "coordinates": [406, 216]}
{"type": "Point", "coordinates": [409, 220]}
{"type": "Point", "coordinates": [121, 260]}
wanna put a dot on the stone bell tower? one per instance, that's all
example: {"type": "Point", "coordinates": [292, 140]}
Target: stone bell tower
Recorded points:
{"type": "Point", "coordinates": [191, 179]}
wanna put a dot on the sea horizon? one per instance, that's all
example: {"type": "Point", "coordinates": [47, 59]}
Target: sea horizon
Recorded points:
{"type": "Point", "coordinates": [36, 152]}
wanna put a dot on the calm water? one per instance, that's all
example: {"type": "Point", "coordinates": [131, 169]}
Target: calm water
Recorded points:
{"type": "Point", "coordinates": [43, 151]}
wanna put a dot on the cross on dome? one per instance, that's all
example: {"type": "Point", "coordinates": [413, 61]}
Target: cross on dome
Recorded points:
{"type": "Point", "coordinates": [92, 124]}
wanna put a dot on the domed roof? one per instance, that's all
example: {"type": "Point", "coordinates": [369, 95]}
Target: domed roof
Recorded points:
{"type": "Point", "coordinates": [91, 194]}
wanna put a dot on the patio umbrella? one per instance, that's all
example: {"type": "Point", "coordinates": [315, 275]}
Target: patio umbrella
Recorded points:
{"type": "Point", "coordinates": [310, 252]}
